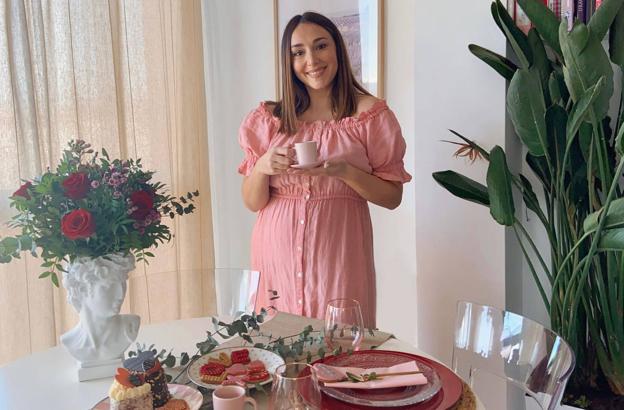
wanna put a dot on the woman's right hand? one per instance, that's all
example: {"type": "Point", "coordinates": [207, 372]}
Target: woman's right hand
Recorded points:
{"type": "Point", "coordinates": [276, 160]}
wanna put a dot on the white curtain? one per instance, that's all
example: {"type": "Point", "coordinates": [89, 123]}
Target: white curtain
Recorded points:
{"type": "Point", "coordinates": [126, 76]}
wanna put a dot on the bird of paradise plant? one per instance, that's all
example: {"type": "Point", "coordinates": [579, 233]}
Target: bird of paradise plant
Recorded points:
{"type": "Point", "coordinates": [560, 90]}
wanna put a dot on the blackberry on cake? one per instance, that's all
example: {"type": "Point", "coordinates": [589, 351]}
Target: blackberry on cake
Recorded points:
{"type": "Point", "coordinates": [146, 365]}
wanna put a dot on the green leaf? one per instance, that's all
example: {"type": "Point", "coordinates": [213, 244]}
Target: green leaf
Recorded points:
{"type": "Point", "coordinates": [184, 359]}
{"type": "Point", "coordinates": [500, 64]}
{"type": "Point", "coordinates": [499, 188]}
{"type": "Point", "coordinates": [10, 244]}
{"type": "Point", "coordinates": [45, 274]}
{"type": "Point", "coordinates": [462, 187]}
{"type": "Point", "coordinates": [556, 121]}
{"type": "Point", "coordinates": [544, 20]}
{"type": "Point", "coordinates": [528, 195]}
{"type": "Point", "coordinates": [581, 109]}
{"type": "Point", "coordinates": [611, 240]}
{"type": "Point", "coordinates": [586, 62]}
{"type": "Point", "coordinates": [55, 279]}
{"type": "Point", "coordinates": [615, 217]}
{"type": "Point", "coordinates": [603, 17]}
{"type": "Point", "coordinates": [527, 110]}
{"type": "Point", "coordinates": [517, 39]}
{"type": "Point", "coordinates": [541, 63]}
{"type": "Point", "coordinates": [616, 39]}
{"type": "Point", "coordinates": [619, 141]}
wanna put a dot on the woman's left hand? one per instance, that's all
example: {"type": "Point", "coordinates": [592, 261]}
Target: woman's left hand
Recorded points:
{"type": "Point", "coordinates": [333, 168]}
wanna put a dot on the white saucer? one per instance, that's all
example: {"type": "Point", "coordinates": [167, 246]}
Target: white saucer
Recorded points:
{"type": "Point", "coordinates": [307, 166]}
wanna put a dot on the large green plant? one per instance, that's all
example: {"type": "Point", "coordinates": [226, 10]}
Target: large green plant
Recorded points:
{"type": "Point", "coordinates": [558, 101]}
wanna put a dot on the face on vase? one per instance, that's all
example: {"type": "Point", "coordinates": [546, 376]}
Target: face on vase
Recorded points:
{"type": "Point", "coordinates": [106, 298]}
{"type": "Point", "coordinates": [313, 54]}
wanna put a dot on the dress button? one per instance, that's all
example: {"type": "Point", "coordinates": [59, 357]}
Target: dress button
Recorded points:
{"type": "Point", "coordinates": [300, 301]}
{"type": "Point", "coordinates": [301, 221]}
{"type": "Point", "coordinates": [299, 274]}
{"type": "Point", "coordinates": [307, 196]}
{"type": "Point", "coordinates": [299, 248]}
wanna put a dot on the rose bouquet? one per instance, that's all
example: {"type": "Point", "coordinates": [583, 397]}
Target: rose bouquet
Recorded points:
{"type": "Point", "coordinates": [91, 206]}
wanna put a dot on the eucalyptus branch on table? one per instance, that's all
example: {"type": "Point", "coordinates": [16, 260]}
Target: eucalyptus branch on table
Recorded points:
{"type": "Point", "coordinates": [247, 327]}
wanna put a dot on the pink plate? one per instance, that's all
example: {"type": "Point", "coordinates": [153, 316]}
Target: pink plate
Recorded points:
{"type": "Point", "coordinates": [307, 166]}
{"type": "Point", "coordinates": [178, 391]}
{"type": "Point", "coordinates": [449, 393]}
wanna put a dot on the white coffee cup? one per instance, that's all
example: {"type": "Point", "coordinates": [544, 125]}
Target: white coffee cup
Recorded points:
{"type": "Point", "coordinates": [306, 152]}
{"type": "Point", "coordinates": [231, 398]}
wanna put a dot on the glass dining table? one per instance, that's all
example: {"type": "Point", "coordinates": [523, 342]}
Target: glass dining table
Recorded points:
{"type": "Point", "coordinates": [48, 379]}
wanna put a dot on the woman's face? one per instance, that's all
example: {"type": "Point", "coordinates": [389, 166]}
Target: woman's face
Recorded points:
{"type": "Point", "coordinates": [106, 298]}
{"type": "Point", "coordinates": [313, 54]}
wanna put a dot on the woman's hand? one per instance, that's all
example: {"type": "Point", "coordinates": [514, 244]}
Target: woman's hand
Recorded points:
{"type": "Point", "coordinates": [276, 160]}
{"type": "Point", "coordinates": [370, 187]}
{"type": "Point", "coordinates": [338, 168]}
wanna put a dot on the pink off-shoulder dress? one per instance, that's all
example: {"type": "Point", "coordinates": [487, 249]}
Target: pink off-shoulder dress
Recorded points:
{"type": "Point", "coordinates": [313, 241]}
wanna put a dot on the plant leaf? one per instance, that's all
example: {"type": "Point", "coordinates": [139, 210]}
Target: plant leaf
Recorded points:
{"type": "Point", "coordinates": [544, 20]}
{"type": "Point", "coordinates": [527, 110]}
{"type": "Point", "coordinates": [603, 17]}
{"type": "Point", "coordinates": [619, 141]}
{"type": "Point", "coordinates": [556, 120]}
{"type": "Point", "coordinates": [462, 187]}
{"type": "Point", "coordinates": [530, 199]}
{"type": "Point", "coordinates": [500, 64]}
{"type": "Point", "coordinates": [611, 240]}
{"type": "Point", "coordinates": [586, 62]}
{"type": "Point", "coordinates": [615, 217]}
{"type": "Point", "coordinates": [541, 63]}
{"type": "Point", "coordinates": [581, 109]}
{"type": "Point", "coordinates": [499, 188]}
{"type": "Point", "coordinates": [517, 39]}
{"type": "Point", "coordinates": [616, 39]}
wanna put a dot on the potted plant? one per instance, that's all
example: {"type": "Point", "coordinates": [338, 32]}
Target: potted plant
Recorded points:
{"type": "Point", "coordinates": [558, 100]}
{"type": "Point", "coordinates": [90, 219]}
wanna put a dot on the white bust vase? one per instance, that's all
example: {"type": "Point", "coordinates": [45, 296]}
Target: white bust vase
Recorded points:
{"type": "Point", "coordinates": [96, 288]}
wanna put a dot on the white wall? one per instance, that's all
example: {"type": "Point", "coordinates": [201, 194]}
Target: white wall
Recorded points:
{"type": "Point", "coordinates": [240, 70]}
{"type": "Point", "coordinates": [395, 231]}
{"type": "Point", "coordinates": [460, 249]}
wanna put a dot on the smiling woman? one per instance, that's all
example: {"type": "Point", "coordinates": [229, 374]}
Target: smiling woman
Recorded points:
{"type": "Point", "coordinates": [309, 219]}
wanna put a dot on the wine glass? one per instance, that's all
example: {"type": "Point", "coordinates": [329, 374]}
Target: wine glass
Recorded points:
{"type": "Point", "coordinates": [295, 387]}
{"type": "Point", "coordinates": [344, 326]}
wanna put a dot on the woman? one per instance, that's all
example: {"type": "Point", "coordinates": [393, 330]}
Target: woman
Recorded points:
{"type": "Point", "coordinates": [313, 239]}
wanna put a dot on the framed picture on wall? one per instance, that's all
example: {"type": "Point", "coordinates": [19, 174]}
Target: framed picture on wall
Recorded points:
{"type": "Point", "coordinates": [361, 24]}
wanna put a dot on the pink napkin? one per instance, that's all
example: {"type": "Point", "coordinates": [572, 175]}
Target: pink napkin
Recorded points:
{"type": "Point", "coordinates": [325, 372]}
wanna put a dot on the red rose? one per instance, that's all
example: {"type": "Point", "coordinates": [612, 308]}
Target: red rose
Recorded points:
{"type": "Point", "coordinates": [23, 190]}
{"type": "Point", "coordinates": [78, 224]}
{"type": "Point", "coordinates": [76, 185]}
{"type": "Point", "coordinates": [143, 203]}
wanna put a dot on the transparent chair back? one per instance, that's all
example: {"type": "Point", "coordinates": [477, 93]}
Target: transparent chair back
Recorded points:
{"type": "Point", "coordinates": [236, 291]}
{"type": "Point", "coordinates": [510, 362]}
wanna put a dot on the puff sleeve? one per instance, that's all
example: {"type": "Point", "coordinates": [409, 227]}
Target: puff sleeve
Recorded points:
{"type": "Point", "coordinates": [254, 137]}
{"type": "Point", "coordinates": [386, 147]}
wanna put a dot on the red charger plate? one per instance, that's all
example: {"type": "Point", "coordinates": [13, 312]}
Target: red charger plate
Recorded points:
{"type": "Point", "coordinates": [449, 394]}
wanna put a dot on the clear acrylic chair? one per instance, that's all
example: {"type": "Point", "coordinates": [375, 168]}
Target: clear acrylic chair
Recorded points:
{"type": "Point", "coordinates": [236, 291]}
{"type": "Point", "coordinates": [509, 361]}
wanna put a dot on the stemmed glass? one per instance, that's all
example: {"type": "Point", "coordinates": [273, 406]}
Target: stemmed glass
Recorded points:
{"type": "Point", "coordinates": [344, 326]}
{"type": "Point", "coordinates": [295, 387]}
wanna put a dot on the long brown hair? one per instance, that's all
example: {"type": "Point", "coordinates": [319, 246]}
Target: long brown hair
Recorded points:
{"type": "Point", "coordinates": [295, 98]}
